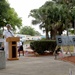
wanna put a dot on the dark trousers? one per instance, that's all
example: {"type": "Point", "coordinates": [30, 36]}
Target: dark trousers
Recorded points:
{"type": "Point", "coordinates": [21, 49]}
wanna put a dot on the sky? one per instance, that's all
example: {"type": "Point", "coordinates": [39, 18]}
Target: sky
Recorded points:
{"type": "Point", "coordinates": [23, 7]}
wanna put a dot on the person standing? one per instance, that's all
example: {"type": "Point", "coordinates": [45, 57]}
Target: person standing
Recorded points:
{"type": "Point", "coordinates": [7, 33]}
{"type": "Point", "coordinates": [20, 47]}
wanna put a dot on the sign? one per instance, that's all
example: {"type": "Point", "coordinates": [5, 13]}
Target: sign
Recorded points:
{"type": "Point", "coordinates": [65, 40]}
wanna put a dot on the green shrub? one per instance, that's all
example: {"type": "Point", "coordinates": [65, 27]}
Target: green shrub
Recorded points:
{"type": "Point", "coordinates": [41, 46]}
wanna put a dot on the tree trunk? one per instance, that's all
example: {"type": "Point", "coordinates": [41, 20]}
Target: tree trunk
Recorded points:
{"type": "Point", "coordinates": [47, 36]}
{"type": "Point", "coordinates": [53, 34]}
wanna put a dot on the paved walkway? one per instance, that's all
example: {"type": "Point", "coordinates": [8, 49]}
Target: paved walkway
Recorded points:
{"type": "Point", "coordinates": [44, 65]}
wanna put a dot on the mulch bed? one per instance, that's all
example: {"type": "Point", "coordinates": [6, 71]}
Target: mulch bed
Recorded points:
{"type": "Point", "coordinates": [69, 59]}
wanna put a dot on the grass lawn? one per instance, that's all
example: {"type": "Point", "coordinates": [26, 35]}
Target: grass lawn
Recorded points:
{"type": "Point", "coordinates": [68, 48]}
{"type": "Point", "coordinates": [27, 42]}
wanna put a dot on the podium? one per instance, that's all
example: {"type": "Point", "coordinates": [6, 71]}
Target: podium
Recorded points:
{"type": "Point", "coordinates": [12, 47]}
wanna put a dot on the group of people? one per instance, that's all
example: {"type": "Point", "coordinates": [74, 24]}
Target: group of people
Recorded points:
{"type": "Point", "coordinates": [8, 33]}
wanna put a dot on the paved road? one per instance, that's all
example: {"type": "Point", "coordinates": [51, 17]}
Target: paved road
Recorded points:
{"type": "Point", "coordinates": [44, 65]}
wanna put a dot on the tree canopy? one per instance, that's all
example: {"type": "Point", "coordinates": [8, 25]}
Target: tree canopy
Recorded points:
{"type": "Point", "coordinates": [8, 15]}
{"type": "Point", "coordinates": [27, 30]}
{"type": "Point", "coordinates": [54, 16]}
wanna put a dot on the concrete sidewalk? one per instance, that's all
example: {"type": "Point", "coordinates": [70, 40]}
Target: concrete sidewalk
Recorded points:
{"type": "Point", "coordinates": [44, 65]}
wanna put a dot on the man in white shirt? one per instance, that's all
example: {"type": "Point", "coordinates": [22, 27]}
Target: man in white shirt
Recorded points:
{"type": "Point", "coordinates": [7, 33]}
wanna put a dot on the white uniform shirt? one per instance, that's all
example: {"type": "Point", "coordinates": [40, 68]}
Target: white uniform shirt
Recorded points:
{"type": "Point", "coordinates": [19, 43]}
{"type": "Point", "coordinates": [7, 34]}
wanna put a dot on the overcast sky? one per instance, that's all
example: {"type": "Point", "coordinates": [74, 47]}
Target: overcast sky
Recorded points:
{"type": "Point", "coordinates": [23, 7]}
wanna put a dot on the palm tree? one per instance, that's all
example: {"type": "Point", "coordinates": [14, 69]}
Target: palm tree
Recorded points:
{"type": "Point", "coordinates": [45, 16]}
{"type": "Point", "coordinates": [40, 18]}
{"type": "Point", "coordinates": [73, 18]}
{"type": "Point", "coordinates": [53, 17]}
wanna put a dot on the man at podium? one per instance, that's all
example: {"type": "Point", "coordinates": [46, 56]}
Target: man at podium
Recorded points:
{"type": "Point", "coordinates": [7, 33]}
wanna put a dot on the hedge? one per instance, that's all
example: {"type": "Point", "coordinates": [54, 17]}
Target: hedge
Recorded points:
{"type": "Point", "coordinates": [41, 46]}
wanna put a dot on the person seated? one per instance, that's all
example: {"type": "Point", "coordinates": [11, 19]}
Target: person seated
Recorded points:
{"type": "Point", "coordinates": [57, 51]}
{"type": "Point", "coordinates": [2, 46]}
